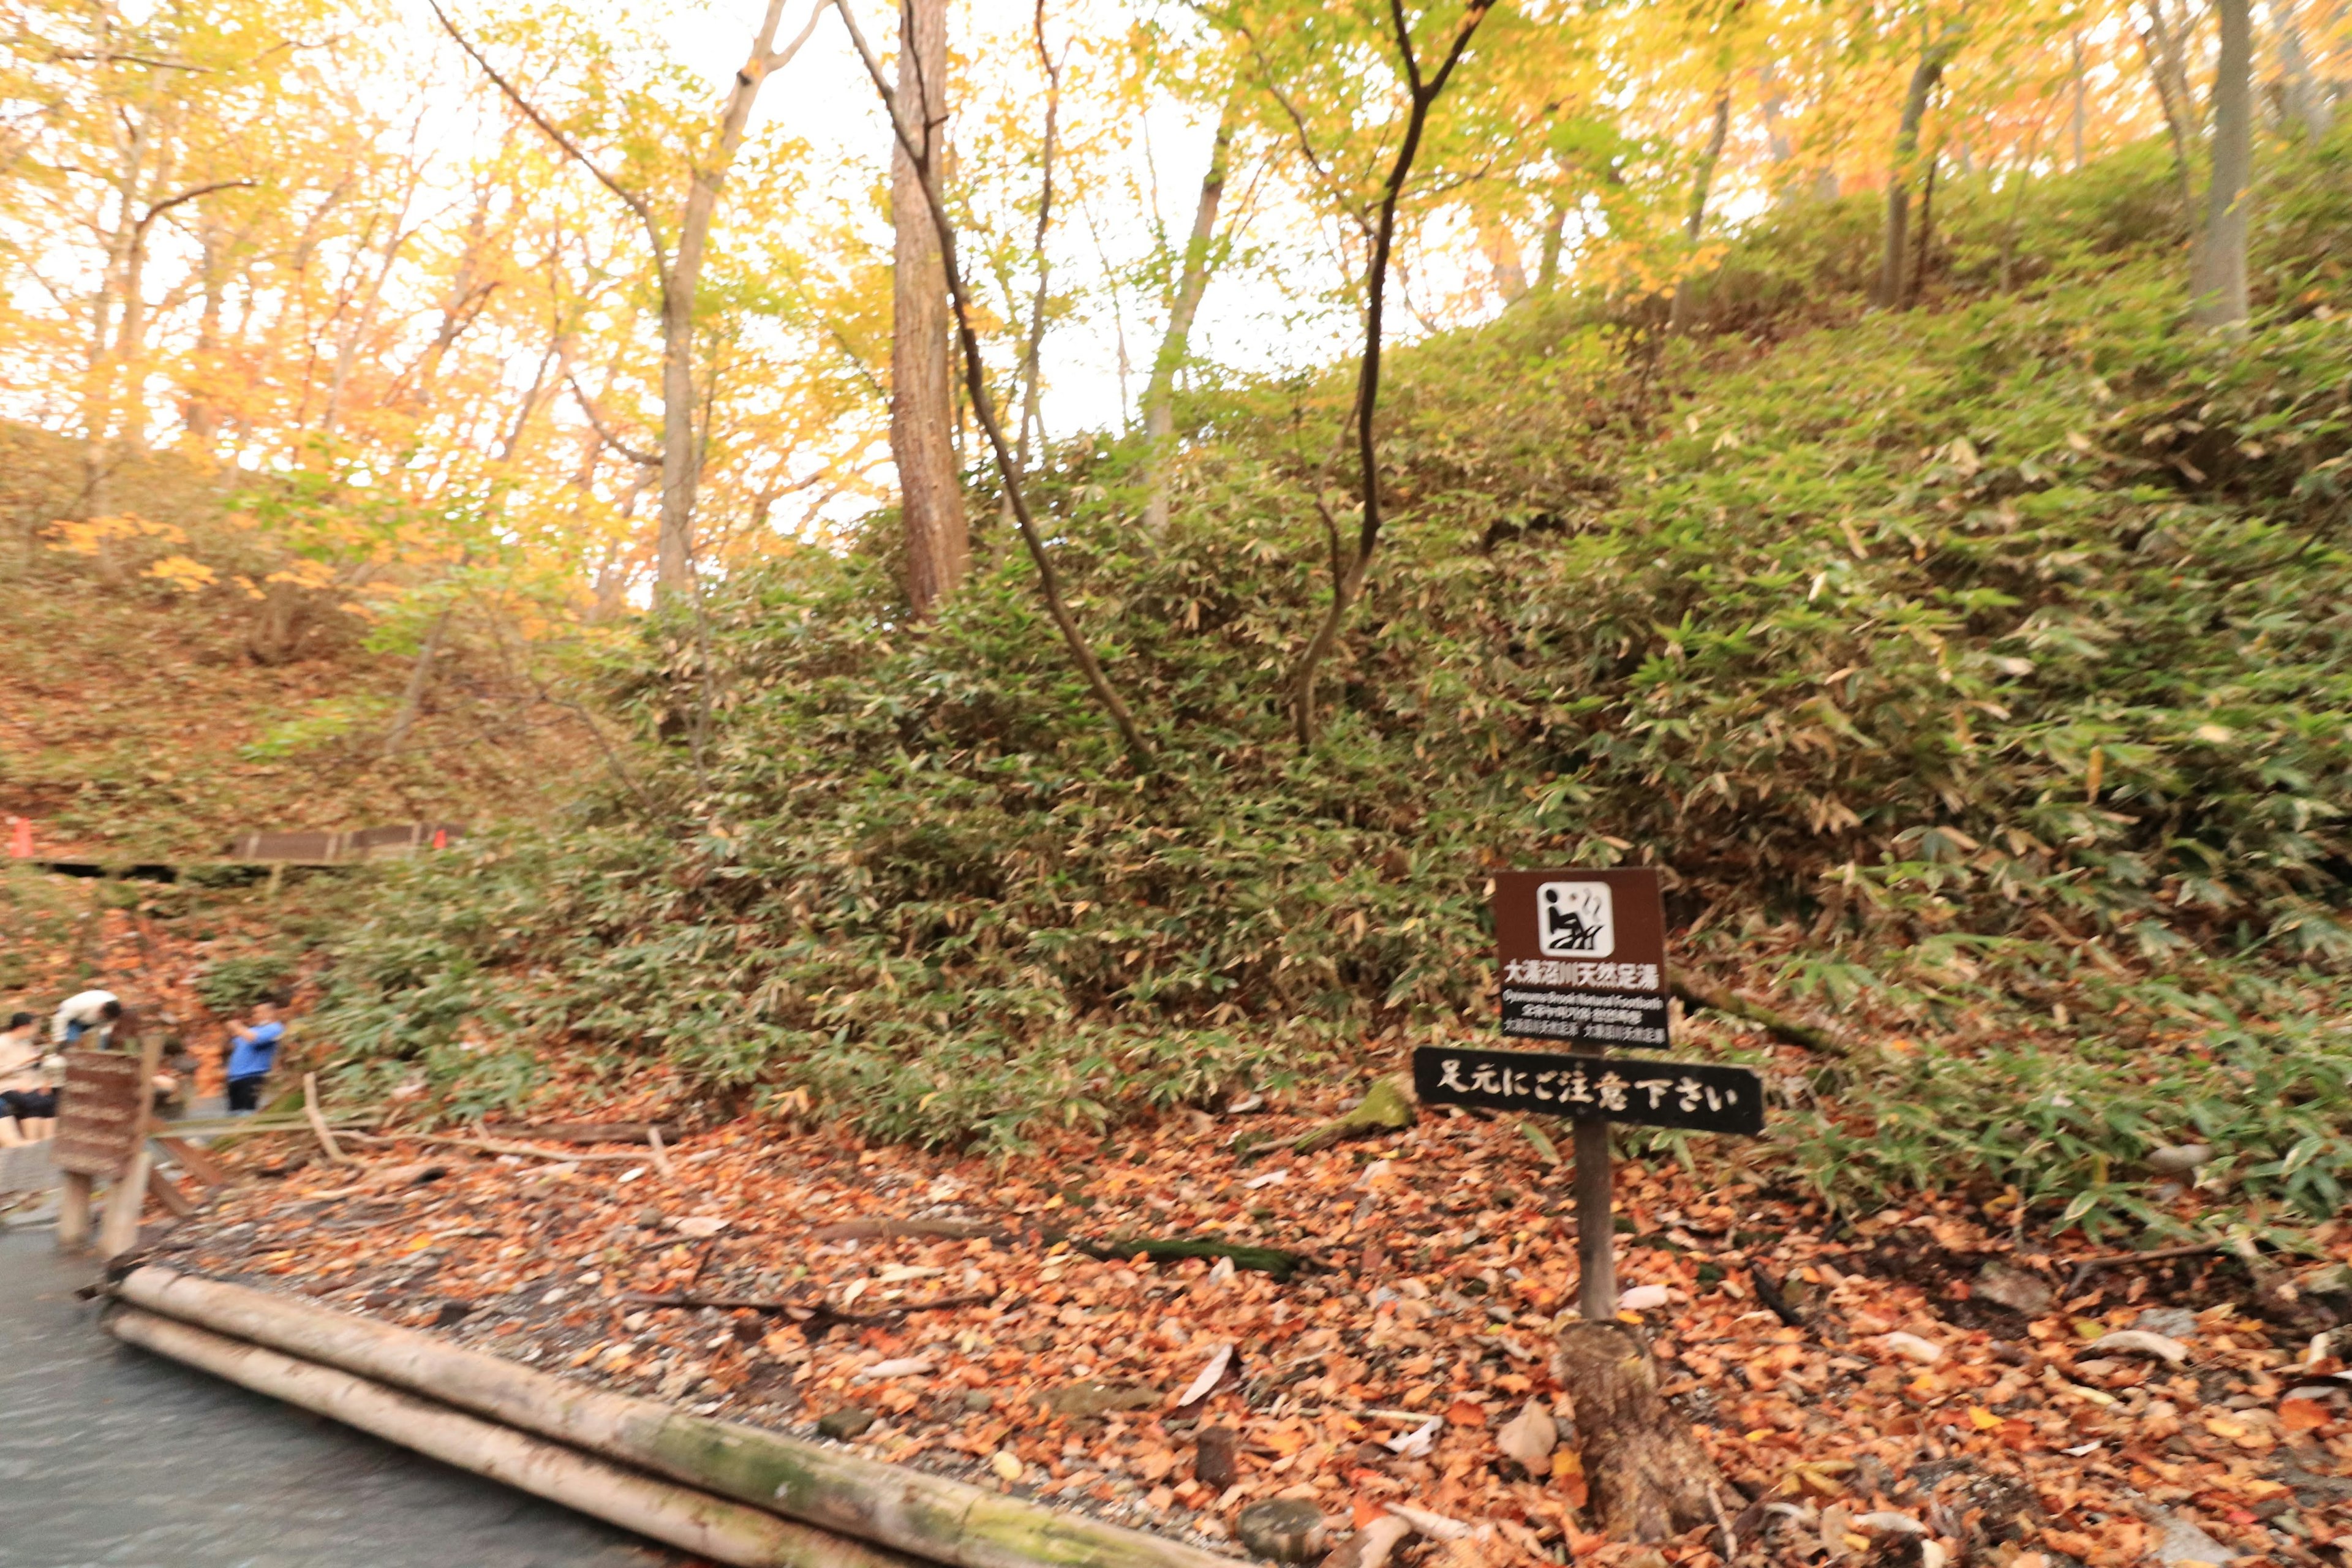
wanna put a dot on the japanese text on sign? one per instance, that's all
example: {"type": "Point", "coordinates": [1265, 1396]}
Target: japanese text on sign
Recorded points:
{"type": "Point", "coordinates": [1700, 1096]}
{"type": "Point", "coordinates": [1585, 1018]}
{"type": "Point", "coordinates": [1554, 971]}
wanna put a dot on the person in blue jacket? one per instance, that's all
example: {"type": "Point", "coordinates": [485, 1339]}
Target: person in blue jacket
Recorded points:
{"type": "Point", "coordinates": [254, 1051]}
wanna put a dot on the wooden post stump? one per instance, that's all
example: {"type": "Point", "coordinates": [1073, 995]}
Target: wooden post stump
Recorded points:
{"type": "Point", "coordinates": [117, 1233]}
{"type": "Point", "coordinates": [1649, 1478]}
{"type": "Point", "coordinates": [73, 1212]}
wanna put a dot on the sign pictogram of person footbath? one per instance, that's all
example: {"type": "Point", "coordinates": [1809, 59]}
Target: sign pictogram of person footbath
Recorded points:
{"type": "Point", "coordinates": [1581, 958]}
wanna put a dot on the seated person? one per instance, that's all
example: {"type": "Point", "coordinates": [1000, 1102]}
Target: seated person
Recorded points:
{"type": "Point", "coordinates": [252, 1056]}
{"type": "Point", "coordinates": [28, 1096]}
{"type": "Point", "coordinates": [175, 1079]}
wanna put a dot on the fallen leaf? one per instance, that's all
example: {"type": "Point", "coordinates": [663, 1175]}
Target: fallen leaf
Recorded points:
{"type": "Point", "coordinates": [1211, 1375]}
{"type": "Point", "coordinates": [2302, 1414]}
{"type": "Point", "coordinates": [1529, 1436]}
{"type": "Point", "coordinates": [1435, 1526]}
{"type": "Point", "coordinates": [1414, 1445]}
{"type": "Point", "coordinates": [903, 1366]}
{"type": "Point", "coordinates": [1372, 1545]}
{"type": "Point", "coordinates": [1890, 1522]}
{"type": "Point", "coordinates": [2139, 1342]}
{"type": "Point", "coordinates": [1006, 1463]}
{"type": "Point", "coordinates": [1911, 1347]}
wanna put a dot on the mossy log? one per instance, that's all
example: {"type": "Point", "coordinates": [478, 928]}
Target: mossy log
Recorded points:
{"type": "Point", "coordinates": [705, 1526]}
{"type": "Point", "coordinates": [1387, 1106]}
{"type": "Point", "coordinates": [1649, 1479]}
{"type": "Point", "coordinates": [926, 1516]}
{"type": "Point", "coordinates": [1264, 1259]}
{"type": "Point", "coordinates": [1694, 992]}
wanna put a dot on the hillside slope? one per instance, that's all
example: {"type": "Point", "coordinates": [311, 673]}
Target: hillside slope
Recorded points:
{"type": "Point", "coordinates": [139, 719]}
{"type": "Point", "coordinates": [1979, 675]}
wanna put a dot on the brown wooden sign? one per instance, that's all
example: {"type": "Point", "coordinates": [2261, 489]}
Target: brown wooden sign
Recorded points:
{"type": "Point", "coordinates": [1696, 1097]}
{"type": "Point", "coordinates": [1582, 957]}
{"type": "Point", "coordinates": [101, 1113]}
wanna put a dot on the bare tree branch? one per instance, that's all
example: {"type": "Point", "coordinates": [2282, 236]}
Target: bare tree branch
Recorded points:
{"type": "Point", "coordinates": [596, 422]}
{"type": "Point", "coordinates": [573, 149]}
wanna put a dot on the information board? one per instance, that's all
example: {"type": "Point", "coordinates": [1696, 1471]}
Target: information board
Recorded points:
{"type": "Point", "coordinates": [1582, 957]}
{"type": "Point", "coordinates": [101, 1113]}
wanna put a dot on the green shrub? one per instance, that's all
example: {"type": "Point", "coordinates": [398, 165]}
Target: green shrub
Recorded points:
{"type": "Point", "coordinates": [1979, 674]}
{"type": "Point", "coordinates": [232, 985]}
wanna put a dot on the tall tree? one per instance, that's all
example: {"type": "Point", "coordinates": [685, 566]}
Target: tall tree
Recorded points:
{"type": "Point", "coordinates": [2164, 43]}
{"type": "Point", "coordinates": [2302, 95]}
{"type": "Point", "coordinates": [1184, 307]}
{"type": "Point", "coordinates": [1702, 178]}
{"type": "Point", "coordinates": [1936, 52]}
{"type": "Point", "coordinates": [909, 131]}
{"type": "Point", "coordinates": [678, 270]}
{"type": "Point", "coordinates": [922, 418]}
{"type": "Point", "coordinates": [1352, 561]}
{"type": "Point", "coordinates": [2218, 270]}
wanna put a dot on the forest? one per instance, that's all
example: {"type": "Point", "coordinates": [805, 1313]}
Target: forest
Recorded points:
{"type": "Point", "coordinates": [993, 587]}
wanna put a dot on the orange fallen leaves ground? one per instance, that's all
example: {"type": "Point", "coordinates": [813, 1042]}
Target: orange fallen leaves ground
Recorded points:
{"type": "Point", "coordinates": [1444, 1258]}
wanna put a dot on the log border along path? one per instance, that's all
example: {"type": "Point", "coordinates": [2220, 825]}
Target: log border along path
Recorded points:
{"type": "Point", "coordinates": [679, 1479]}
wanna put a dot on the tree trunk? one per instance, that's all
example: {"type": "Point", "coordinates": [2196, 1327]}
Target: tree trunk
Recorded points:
{"type": "Point", "coordinates": [1349, 566]}
{"type": "Point", "coordinates": [1554, 236]}
{"type": "Point", "coordinates": [1649, 1479]}
{"type": "Point", "coordinates": [2218, 270]}
{"type": "Point", "coordinates": [1030, 377]}
{"type": "Point", "coordinates": [2024, 178]}
{"type": "Point", "coordinates": [1918, 282]}
{"type": "Point", "coordinates": [1193, 281]}
{"type": "Point", "coordinates": [199, 415]}
{"type": "Point", "coordinates": [922, 444]}
{"type": "Point", "coordinates": [681, 287]}
{"type": "Point", "coordinates": [1924, 78]}
{"type": "Point", "coordinates": [1773, 99]}
{"type": "Point", "coordinates": [411, 697]}
{"type": "Point", "coordinates": [2307, 105]}
{"type": "Point", "coordinates": [1702, 177]}
{"type": "Point", "coordinates": [2162, 45]}
{"type": "Point", "coordinates": [2082, 102]}
{"type": "Point", "coordinates": [1500, 246]}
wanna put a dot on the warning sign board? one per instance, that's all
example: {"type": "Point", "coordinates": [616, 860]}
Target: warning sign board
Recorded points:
{"type": "Point", "coordinates": [1582, 957]}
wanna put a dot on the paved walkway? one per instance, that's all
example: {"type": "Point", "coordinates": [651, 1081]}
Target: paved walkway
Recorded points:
{"type": "Point", "coordinates": [108, 1455]}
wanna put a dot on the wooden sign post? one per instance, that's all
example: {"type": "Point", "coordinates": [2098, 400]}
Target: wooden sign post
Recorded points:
{"type": "Point", "coordinates": [1582, 957]}
{"type": "Point", "coordinates": [102, 1113]}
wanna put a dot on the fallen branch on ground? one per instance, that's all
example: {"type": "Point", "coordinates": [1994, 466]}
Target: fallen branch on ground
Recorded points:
{"type": "Point", "coordinates": [801, 1311]}
{"type": "Point", "coordinates": [1696, 993]}
{"type": "Point", "coordinates": [2202, 1249]}
{"type": "Point", "coordinates": [326, 1144]}
{"type": "Point", "coordinates": [1271, 1260]}
{"type": "Point", "coordinates": [582, 1132]}
{"type": "Point", "coordinates": [892, 1229]}
{"type": "Point", "coordinates": [494, 1146]}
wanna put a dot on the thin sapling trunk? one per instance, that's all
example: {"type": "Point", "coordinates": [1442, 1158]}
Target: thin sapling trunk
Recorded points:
{"type": "Point", "coordinates": [1349, 565]}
